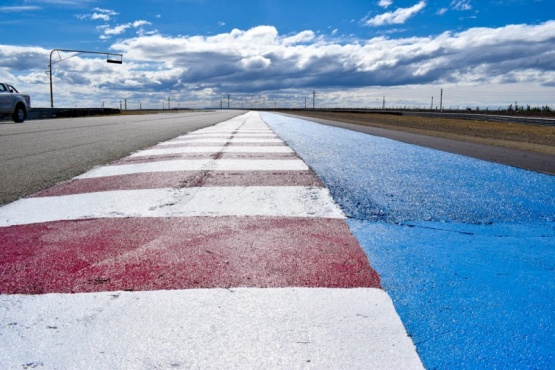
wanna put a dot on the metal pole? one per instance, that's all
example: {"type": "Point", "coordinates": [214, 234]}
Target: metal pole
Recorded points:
{"type": "Point", "coordinates": [120, 61]}
{"type": "Point", "coordinates": [314, 100]}
{"type": "Point", "coordinates": [50, 75]}
{"type": "Point", "coordinates": [441, 101]}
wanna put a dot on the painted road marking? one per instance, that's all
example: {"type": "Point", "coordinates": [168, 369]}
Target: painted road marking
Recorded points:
{"type": "Point", "coordinates": [223, 140]}
{"type": "Point", "coordinates": [465, 248]}
{"type": "Point", "coordinates": [198, 165]}
{"type": "Point", "coordinates": [215, 149]}
{"type": "Point", "coordinates": [168, 229]}
{"type": "Point", "coordinates": [142, 254]}
{"type": "Point", "coordinates": [252, 201]}
{"type": "Point", "coordinates": [184, 180]}
{"type": "Point", "coordinates": [291, 328]}
{"type": "Point", "coordinates": [254, 135]}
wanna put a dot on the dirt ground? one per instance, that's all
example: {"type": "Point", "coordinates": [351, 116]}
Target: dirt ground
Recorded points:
{"type": "Point", "coordinates": [533, 138]}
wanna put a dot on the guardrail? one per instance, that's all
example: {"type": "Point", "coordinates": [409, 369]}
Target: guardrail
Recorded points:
{"type": "Point", "coordinates": [455, 115]}
{"type": "Point", "coordinates": [487, 117]}
{"type": "Point", "coordinates": [48, 113]}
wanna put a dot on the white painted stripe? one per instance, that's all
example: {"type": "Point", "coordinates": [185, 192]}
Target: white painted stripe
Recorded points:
{"type": "Point", "coordinates": [240, 135]}
{"type": "Point", "coordinates": [214, 149]}
{"type": "Point", "coordinates": [230, 132]}
{"type": "Point", "coordinates": [222, 140]}
{"type": "Point", "coordinates": [198, 165]}
{"type": "Point", "coordinates": [240, 328]}
{"type": "Point", "coordinates": [275, 201]}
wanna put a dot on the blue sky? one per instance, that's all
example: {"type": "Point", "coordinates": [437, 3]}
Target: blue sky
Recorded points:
{"type": "Point", "coordinates": [353, 53]}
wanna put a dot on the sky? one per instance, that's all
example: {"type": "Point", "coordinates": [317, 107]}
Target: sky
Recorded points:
{"type": "Point", "coordinates": [281, 53]}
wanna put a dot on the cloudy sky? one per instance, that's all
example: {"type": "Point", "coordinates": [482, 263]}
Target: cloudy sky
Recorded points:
{"type": "Point", "coordinates": [266, 53]}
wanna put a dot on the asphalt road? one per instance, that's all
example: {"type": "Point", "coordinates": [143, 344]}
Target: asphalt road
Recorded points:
{"type": "Point", "coordinates": [38, 154]}
{"type": "Point", "coordinates": [533, 161]}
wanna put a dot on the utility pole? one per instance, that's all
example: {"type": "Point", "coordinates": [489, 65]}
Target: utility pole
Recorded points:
{"type": "Point", "coordinates": [383, 103]}
{"type": "Point", "coordinates": [432, 105]}
{"type": "Point", "coordinates": [314, 100]}
{"type": "Point", "coordinates": [441, 101]}
{"type": "Point", "coordinates": [227, 101]}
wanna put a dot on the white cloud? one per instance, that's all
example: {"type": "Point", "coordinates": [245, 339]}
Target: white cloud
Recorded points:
{"type": "Point", "coordinates": [111, 31]}
{"type": "Point", "coordinates": [17, 9]}
{"type": "Point", "coordinates": [385, 3]}
{"type": "Point", "coordinates": [255, 62]}
{"type": "Point", "coordinates": [103, 14]}
{"type": "Point", "coordinates": [260, 61]}
{"type": "Point", "coordinates": [461, 4]}
{"type": "Point", "coordinates": [399, 16]}
{"type": "Point", "coordinates": [301, 37]}
{"type": "Point", "coordinates": [108, 32]}
{"type": "Point", "coordinates": [99, 14]}
{"type": "Point", "coordinates": [69, 3]}
{"type": "Point", "coordinates": [138, 24]}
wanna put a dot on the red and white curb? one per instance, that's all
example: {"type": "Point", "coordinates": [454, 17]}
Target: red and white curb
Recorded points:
{"type": "Point", "coordinates": [217, 249]}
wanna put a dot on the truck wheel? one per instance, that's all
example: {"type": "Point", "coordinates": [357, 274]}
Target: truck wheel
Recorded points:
{"type": "Point", "coordinates": [19, 114]}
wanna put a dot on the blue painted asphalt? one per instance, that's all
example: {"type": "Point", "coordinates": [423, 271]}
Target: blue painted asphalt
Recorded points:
{"type": "Point", "coordinates": [465, 248]}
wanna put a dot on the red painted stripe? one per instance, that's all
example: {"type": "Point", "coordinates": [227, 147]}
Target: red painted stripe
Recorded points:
{"type": "Point", "coordinates": [182, 180]}
{"type": "Point", "coordinates": [153, 254]}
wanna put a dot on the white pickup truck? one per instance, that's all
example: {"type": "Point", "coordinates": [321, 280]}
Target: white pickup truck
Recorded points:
{"type": "Point", "coordinates": [13, 104]}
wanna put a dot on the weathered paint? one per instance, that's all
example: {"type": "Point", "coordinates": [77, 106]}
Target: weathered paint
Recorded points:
{"type": "Point", "coordinates": [239, 328]}
{"type": "Point", "coordinates": [197, 165]}
{"type": "Point", "coordinates": [185, 179]}
{"type": "Point", "coordinates": [172, 253]}
{"type": "Point", "coordinates": [220, 226]}
{"type": "Point", "coordinates": [464, 247]}
{"type": "Point", "coordinates": [283, 201]}
{"type": "Point", "coordinates": [214, 149]}
{"type": "Point", "coordinates": [223, 140]}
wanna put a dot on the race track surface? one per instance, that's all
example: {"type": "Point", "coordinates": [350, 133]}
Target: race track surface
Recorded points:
{"type": "Point", "coordinates": [267, 241]}
{"type": "Point", "coordinates": [216, 249]}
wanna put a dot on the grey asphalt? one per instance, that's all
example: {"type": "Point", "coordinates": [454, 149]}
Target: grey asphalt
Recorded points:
{"type": "Point", "coordinates": [36, 155]}
{"type": "Point", "coordinates": [532, 161]}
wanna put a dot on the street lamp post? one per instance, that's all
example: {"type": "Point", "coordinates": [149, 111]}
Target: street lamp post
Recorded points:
{"type": "Point", "coordinates": [110, 58]}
